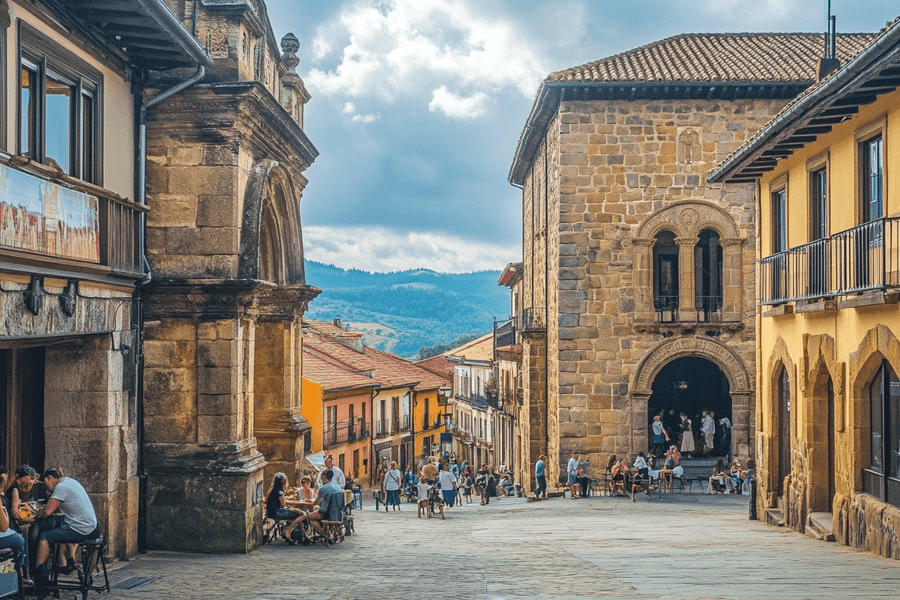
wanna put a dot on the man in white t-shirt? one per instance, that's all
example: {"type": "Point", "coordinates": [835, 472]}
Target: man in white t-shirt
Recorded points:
{"type": "Point", "coordinates": [708, 429]}
{"type": "Point", "coordinates": [572, 471]}
{"type": "Point", "coordinates": [70, 499]}
{"type": "Point", "coordinates": [338, 474]}
{"type": "Point", "coordinates": [449, 482]}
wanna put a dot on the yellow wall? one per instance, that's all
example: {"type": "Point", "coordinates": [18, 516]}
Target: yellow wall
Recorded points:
{"type": "Point", "coordinates": [311, 409]}
{"type": "Point", "coordinates": [429, 397]}
{"type": "Point", "coordinates": [842, 340]}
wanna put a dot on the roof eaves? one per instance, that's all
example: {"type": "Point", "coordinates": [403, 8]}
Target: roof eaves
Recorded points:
{"type": "Point", "coordinates": [841, 83]}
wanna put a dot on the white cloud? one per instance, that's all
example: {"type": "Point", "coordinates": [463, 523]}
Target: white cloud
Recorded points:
{"type": "Point", "coordinates": [383, 250]}
{"type": "Point", "coordinates": [365, 118]}
{"type": "Point", "coordinates": [456, 106]}
{"type": "Point", "coordinates": [349, 108]}
{"type": "Point", "coordinates": [399, 48]}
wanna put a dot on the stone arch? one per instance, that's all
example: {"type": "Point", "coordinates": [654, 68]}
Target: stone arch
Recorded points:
{"type": "Point", "coordinates": [771, 426]}
{"type": "Point", "coordinates": [687, 218]}
{"type": "Point", "coordinates": [709, 348]}
{"type": "Point", "coordinates": [877, 345]}
{"type": "Point", "coordinates": [270, 227]}
{"type": "Point", "coordinates": [823, 417]}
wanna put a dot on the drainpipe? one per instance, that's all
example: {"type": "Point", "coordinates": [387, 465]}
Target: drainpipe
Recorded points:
{"type": "Point", "coordinates": [145, 265]}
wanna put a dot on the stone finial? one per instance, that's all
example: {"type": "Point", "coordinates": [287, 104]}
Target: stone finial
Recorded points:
{"type": "Point", "coordinates": [289, 46]}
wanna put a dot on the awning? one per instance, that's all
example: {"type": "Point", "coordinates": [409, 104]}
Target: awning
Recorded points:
{"type": "Point", "coordinates": [145, 31]}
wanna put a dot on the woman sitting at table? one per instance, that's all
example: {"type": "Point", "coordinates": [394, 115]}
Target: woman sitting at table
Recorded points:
{"type": "Point", "coordinates": [277, 510]}
{"type": "Point", "coordinates": [720, 481]}
{"type": "Point", "coordinates": [673, 457]}
{"type": "Point", "coordinates": [27, 488]}
{"type": "Point", "coordinates": [305, 493]}
{"type": "Point", "coordinates": [10, 539]}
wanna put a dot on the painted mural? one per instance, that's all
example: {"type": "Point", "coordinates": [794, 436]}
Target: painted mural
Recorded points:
{"type": "Point", "coordinates": [45, 218]}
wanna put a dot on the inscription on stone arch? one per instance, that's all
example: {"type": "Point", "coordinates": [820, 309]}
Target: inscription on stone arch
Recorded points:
{"type": "Point", "coordinates": [721, 355]}
{"type": "Point", "coordinates": [688, 145]}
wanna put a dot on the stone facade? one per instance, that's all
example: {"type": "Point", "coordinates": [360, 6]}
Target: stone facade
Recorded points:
{"type": "Point", "coordinates": [608, 177]}
{"type": "Point", "coordinates": [222, 329]}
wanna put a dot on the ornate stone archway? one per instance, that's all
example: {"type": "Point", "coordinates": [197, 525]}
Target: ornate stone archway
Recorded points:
{"type": "Point", "coordinates": [731, 365]}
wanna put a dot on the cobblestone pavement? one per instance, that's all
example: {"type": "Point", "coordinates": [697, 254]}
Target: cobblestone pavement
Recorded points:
{"type": "Point", "coordinates": [685, 546]}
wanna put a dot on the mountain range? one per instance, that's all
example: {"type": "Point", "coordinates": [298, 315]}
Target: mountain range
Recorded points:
{"type": "Point", "coordinates": [402, 312]}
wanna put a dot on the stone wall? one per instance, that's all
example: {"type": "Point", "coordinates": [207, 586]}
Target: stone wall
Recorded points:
{"type": "Point", "coordinates": [620, 163]}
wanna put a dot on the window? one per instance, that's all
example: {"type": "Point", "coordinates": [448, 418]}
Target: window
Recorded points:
{"type": "Point", "coordinates": [882, 478]}
{"type": "Point", "coordinates": [58, 116]}
{"type": "Point", "coordinates": [665, 276]}
{"type": "Point", "coordinates": [818, 204]}
{"type": "Point", "coordinates": [872, 179]}
{"type": "Point", "coordinates": [779, 221]}
{"type": "Point", "coordinates": [708, 276]}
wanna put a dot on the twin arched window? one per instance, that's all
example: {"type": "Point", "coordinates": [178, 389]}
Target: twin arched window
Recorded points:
{"type": "Point", "coordinates": [707, 260]}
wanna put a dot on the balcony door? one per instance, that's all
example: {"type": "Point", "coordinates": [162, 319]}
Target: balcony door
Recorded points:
{"type": "Point", "coordinates": [870, 239]}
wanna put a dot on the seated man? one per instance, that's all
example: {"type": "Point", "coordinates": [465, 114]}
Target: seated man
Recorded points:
{"type": "Point", "coordinates": [79, 519]}
{"type": "Point", "coordinates": [330, 503]}
{"type": "Point", "coordinates": [641, 481]}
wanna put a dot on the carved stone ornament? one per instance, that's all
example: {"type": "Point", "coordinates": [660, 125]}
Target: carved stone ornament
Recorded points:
{"type": "Point", "coordinates": [689, 145]}
{"type": "Point", "coordinates": [34, 295]}
{"type": "Point", "coordinates": [289, 46]}
{"type": "Point", "coordinates": [69, 298]}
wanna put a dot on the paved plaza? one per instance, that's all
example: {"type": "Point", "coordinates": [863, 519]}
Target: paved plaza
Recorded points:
{"type": "Point", "coordinates": [685, 546]}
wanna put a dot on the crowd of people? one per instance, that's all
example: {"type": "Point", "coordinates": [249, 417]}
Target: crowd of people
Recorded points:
{"type": "Point", "coordinates": [711, 438]}
{"type": "Point", "coordinates": [38, 510]}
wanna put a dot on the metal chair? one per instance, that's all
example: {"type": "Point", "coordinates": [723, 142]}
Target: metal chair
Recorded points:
{"type": "Point", "coordinates": [86, 577]}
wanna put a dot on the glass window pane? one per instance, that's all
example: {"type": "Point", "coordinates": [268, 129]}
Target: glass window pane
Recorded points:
{"type": "Point", "coordinates": [26, 126]}
{"type": "Point", "coordinates": [58, 123]}
{"type": "Point", "coordinates": [892, 439]}
{"type": "Point", "coordinates": [87, 138]}
{"type": "Point", "coordinates": [876, 398]}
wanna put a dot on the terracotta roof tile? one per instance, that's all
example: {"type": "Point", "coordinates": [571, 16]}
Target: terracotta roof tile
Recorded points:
{"type": "Point", "coordinates": [711, 57]}
{"type": "Point", "coordinates": [332, 375]}
{"type": "Point", "coordinates": [437, 364]}
{"type": "Point", "coordinates": [393, 370]}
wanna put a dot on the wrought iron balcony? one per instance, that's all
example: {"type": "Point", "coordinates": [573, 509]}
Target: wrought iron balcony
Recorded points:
{"type": "Point", "coordinates": [505, 335]}
{"type": "Point", "coordinates": [344, 432]}
{"type": "Point", "coordinates": [666, 308]}
{"type": "Point", "coordinates": [382, 428]}
{"type": "Point", "coordinates": [864, 258]}
{"type": "Point", "coordinates": [709, 308]}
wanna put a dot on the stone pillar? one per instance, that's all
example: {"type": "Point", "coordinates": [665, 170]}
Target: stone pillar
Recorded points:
{"type": "Point", "coordinates": [643, 282]}
{"type": "Point", "coordinates": [89, 433]}
{"type": "Point", "coordinates": [279, 428]}
{"type": "Point", "coordinates": [204, 472]}
{"type": "Point", "coordinates": [535, 399]}
{"type": "Point", "coordinates": [732, 278]}
{"type": "Point", "coordinates": [638, 426]}
{"type": "Point", "coordinates": [687, 307]}
{"type": "Point", "coordinates": [742, 430]}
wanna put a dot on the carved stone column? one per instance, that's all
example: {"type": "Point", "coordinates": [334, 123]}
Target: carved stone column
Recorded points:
{"type": "Point", "coordinates": [643, 278]}
{"type": "Point", "coordinates": [687, 307]}
{"type": "Point", "coordinates": [279, 428]}
{"type": "Point", "coordinates": [732, 278]}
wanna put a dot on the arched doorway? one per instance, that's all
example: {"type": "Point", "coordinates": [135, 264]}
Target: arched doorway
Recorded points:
{"type": "Point", "coordinates": [783, 411]}
{"type": "Point", "coordinates": [692, 385]}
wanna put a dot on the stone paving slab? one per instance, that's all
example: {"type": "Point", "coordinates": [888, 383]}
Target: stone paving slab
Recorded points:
{"type": "Point", "coordinates": [686, 546]}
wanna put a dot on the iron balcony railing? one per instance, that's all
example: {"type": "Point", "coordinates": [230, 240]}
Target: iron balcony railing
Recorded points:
{"type": "Point", "coordinates": [344, 432]}
{"type": "Point", "coordinates": [534, 319]}
{"type": "Point", "coordinates": [505, 335]}
{"type": "Point", "coordinates": [666, 308]}
{"type": "Point", "coordinates": [382, 427]}
{"type": "Point", "coordinates": [864, 258]}
{"type": "Point", "coordinates": [709, 308]}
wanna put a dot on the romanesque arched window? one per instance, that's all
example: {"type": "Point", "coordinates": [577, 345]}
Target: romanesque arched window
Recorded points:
{"type": "Point", "coordinates": [665, 276]}
{"type": "Point", "coordinates": [708, 276]}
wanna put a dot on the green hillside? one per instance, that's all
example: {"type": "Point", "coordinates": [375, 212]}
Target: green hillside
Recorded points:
{"type": "Point", "coordinates": [401, 312]}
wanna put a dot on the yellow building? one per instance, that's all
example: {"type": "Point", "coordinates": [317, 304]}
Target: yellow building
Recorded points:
{"type": "Point", "coordinates": [828, 318]}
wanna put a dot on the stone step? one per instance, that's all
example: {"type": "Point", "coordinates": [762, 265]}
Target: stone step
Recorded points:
{"type": "Point", "coordinates": [774, 516]}
{"type": "Point", "coordinates": [819, 526]}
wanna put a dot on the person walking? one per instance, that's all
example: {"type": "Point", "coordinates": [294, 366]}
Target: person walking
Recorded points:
{"type": "Point", "coordinates": [708, 429]}
{"type": "Point", "coordinates": [540, 468]}
{"type": "Point", "coordinates": [572, 472]}
{"type": "Point", "coordinates": [392, 487]}
{"type": "Point", "coordinates": [449, 483]}
{"type": "Point", "coordinates": [687, 436]}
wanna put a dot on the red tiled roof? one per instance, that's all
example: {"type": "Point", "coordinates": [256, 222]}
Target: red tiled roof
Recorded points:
{"type": "Point", "coordinates": [332, 375]}
{"type": "Point", "coordinates": [393, 370]}
{"type": "Point", "coordinates": [478, 349]}
{"type": "Point", "coordinates": [708, 57]}
{"type": "Point", "coordinates": [437, 364]}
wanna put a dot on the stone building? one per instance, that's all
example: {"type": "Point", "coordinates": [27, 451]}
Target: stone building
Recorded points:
{"type": "Point", "coordinates": [222, 319]}
{"type": "Point", "coordinates": [638, 287]}
{"type": "Point", "coordinates": [70, 245]}
{"type": "Point", "coordinates": [829, 245]}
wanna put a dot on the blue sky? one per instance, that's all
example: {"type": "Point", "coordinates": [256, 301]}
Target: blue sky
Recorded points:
{"type": "Point", "coordinates": [417, 106]}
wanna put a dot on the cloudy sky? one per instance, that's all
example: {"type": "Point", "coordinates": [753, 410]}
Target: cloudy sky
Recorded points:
{"type": "Point", "coordinates": [417, 106]}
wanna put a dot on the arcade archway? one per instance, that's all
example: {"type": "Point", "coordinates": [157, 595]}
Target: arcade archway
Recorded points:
{"type": "Point", "coordinates": [692, 385]}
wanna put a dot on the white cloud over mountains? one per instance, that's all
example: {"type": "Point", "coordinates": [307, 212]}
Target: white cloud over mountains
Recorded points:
{"type": "Point", "coordinates": [451, 50]}
{"type": "Point", "coordinates": [383, 250]}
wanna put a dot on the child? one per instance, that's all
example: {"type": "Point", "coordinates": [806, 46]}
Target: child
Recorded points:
{"type": "Point", "coordinates": [424, 487]}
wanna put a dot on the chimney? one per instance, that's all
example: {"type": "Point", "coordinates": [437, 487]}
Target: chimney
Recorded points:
{"type": "Point", "coordinates": [829, 64]}
{"type": "Point", "coordinates": [337, 323]}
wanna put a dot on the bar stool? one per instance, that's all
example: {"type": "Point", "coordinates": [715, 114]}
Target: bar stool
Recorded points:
{"type": "Point", "coordinates": [92, 560]}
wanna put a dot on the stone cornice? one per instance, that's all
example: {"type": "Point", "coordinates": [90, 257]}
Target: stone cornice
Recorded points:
{"type": "Point", "coordinates": [223, 112]}
{"type": "Point", "coordinates": [225, 298]}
